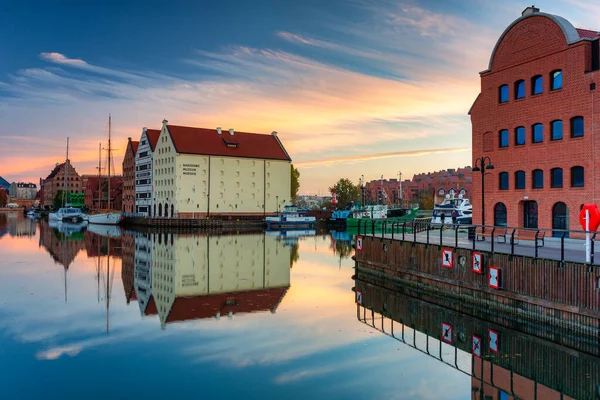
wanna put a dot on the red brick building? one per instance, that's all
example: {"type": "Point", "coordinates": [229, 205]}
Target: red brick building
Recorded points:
{"type": "Point", "coordinates": [534, 118]}
{"type": "Point", "coordinates": [95, 189]}
{"type": "Point", "coordinates": [129, 176]}
{"type": "Point", "coordinates": [56, 181]}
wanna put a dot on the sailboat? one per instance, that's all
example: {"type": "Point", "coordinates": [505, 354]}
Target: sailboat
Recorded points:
{"type": "Point", "coordinates": [107, 217]}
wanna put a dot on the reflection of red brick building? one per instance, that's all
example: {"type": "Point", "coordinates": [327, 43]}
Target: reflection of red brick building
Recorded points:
{"type": "Point", "coordinates": [129, 176]}
{"type": "Point", "coordinates": [128, 266]}
{"type": "Point", "coordinates": [95, 190]}
{"type": "Point", "coordinates": [61, 247]}
{"type": "Point", "coordinates": [96, 245]}
{"type": "Point", "coordinates": [534, 118]}
{"type": "Point", "coordinates": [56, 181]}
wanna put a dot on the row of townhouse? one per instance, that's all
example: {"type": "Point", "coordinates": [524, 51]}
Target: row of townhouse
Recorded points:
{"type": "Point", "coordinates": [187, 172]}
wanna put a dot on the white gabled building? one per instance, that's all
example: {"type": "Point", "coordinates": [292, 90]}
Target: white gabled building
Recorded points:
{"type": "Point", "coordinates": [143, 171]}
{"type": "Point", "coordinates": [204, 173]}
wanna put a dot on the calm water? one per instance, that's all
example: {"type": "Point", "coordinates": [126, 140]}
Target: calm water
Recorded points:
{"type": "Point", "coordinates": [168, 316]}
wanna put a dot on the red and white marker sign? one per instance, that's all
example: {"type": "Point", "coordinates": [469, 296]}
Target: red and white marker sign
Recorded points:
{"type": "Point", "coordinates": [495, 278]}
{"type": "Point", "coordinates": [447, 258]}
{"type": "Point", "coordinates": [477, 262]}
{"type": "Point", "coordinates": [359, 297]}
{"type": "Point", "coordinates": [493, 340]}
{"type": "Point", "coordinates": [476, 346]}
{"type": "Point", "coordinates": [446, 332]}
{"type": "Point", "coordinates": [359, 243]}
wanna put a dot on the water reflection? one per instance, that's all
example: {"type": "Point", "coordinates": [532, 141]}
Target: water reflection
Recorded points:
{"type": "Point", "coordinates": [12, 224]}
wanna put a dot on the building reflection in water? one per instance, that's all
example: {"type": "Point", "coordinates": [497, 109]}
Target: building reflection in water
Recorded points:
{"type": "Point", "coordinates": [12, 223]}
{"type": "Point", "coordinates": [525, 366]}
{"type": "Point", "coordinates": [183, 276]}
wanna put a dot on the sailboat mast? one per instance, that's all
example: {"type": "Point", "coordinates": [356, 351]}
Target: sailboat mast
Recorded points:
{"type": "Point", "coordinates": [107, 284]}
{"type": "Point", "coordinates": [66, 183]}
{"type": "Point", "coordinates": [109, 117]}
{"type": "Point", "coordinates": [99, 175]}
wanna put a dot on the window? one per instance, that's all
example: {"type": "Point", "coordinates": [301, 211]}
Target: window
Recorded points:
{"type": "Point", "coordinates": [520, 135]}
{"type": "Point", "coordinates": [577, 127]}
{"type": "Point", "coordinates": [556, 177]}
{"type": "Point", "coordinates": [520, 180]}
{"type": "Point", "coordinates": [504, 138]}
{"type": "Point", "coordinates": [503, 181]}
{"type": "Point", "coordinates": [536, 84]}
{"type": "Point", "coordinates": [503, 94]}
{"type": "Point", "coordinates": [556, 80]}
{"type": "Point", "coordinates": [577, 177]}
{"type": "Point", "coordinates": [537, 133]}
{"type": "Point", "coordinates": [557, 127]}
{"type": "Point", "coordinates": [537, 179]}
{"type": "Point", "coordinates": [519, 89]}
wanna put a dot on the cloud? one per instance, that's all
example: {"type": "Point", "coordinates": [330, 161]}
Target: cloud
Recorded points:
{"type": "Point", "coordinates": [58, 58]}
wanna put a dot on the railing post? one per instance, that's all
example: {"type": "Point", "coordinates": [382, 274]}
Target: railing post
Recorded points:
{"type": "Point", "coordinates": [512, 242]}
{"type": "Point", "coordinates": [562, 250]}
{"type": "Point", "coordinates": [403, 230]}
{"type": "Point", "coordinates": [441, 232]}
{"type": "Point", "coordinates": [383, 228]}
{"type": "Point", "coordinates": [536, 244]}
{"type": "Point", "coordinates": [492, 238]}
{"type": "Point", "coordinates": [428, 235]}
{"type": "Point", "coordinates": [592, 250]}
{"type": "Point", "coordinates": [359, 221]}
{"type": "Point", "coordinates": [414, 232]}
{"type": "Point", "coordinates": [456, 237]}
{"type": "Point", "coordinates": [373, 227]}
{"type": "Point", "coordinates": [393, 225]}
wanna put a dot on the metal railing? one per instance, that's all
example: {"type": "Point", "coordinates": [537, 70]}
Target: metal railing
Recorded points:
{"type": "Point", "coordinates": [555, 244]}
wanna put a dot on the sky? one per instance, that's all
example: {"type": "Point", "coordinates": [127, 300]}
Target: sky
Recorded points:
{"type": "Point", "coordinates": [353, 87]}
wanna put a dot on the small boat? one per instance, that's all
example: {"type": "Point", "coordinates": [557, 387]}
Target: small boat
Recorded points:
{"type": "Point", "coordinates": [67, 214]}
{"type": "Point", "coordinates": [33, 213]}
{"type": "Point", "coordinates": [462, 207]}
{"type": "Point", "coordinates": [290, 218]}
{"type": "Point", "coordinates": [371, 211]}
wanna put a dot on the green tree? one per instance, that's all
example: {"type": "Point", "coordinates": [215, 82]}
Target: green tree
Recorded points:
{"type": "Point", "coordinates": [346, 192]}
{"type": "Point", "coordinates": [58, 199]}
{"type": "Point", "coordinates": [295, 183]}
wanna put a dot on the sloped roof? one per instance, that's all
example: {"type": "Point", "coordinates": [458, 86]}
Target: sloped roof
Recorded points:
{"type": "Point", "coordinates": [153, 135]}
{"type": "Point", "coordinates": [586, 33]}
{"type": "Point", "coordinates": [134, 145]}
{"type": "Point", "coordinates": [242, 144]}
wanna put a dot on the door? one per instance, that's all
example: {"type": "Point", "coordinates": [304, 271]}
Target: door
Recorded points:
{"type": "Point", "coordinates": [560, 215]}
{"type": "Point", "coordinates": [530, 214]}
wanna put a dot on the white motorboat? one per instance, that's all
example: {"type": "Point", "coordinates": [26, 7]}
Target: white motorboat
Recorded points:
{"type": "Point", "coordinates": [290, 218]}
{"type": "Point", "coordinates": [66, 227]}
{"type": "Point", "coordinates": [105, 218]}
{"type": "Point", "coordinates": [460, 205]}
{"type": "Point", "coordinates": [67, 214]}
{"type": "Point", "coordinates": [105, 230]}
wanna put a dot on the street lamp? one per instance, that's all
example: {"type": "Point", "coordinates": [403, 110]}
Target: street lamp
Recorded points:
{"type": "Point", "coordinates": [481, 164]}
{"type": "Point", "coordinates": [362, 188]}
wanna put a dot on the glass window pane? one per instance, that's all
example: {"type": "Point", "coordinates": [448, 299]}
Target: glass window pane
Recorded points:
{"type": "Point", "coordinates": [504, 138]}
{"type": "Point", "coordinates": [538, 133]}
{"type": "Point", "coordinates": [503, 93]}
{"type": "Point", "coordinates": [504, 181]}
{"type": "Point", "coordinates": [557, 127]}
{"type": "Point", "coordinates": [538, 179]}
{"type": "Point", "coordinates": [557, 178]}
{"type": "Point", "coordinates": [577, 176]}
{"type": "Point", "coordinates": [520, 135]}
{"type": "Point", "coordinates": [520, 180]}
{"type": "Point", "coordinates": [556, 80]}
{"type": "Point", "coordinates": [520, 89]}
{"type": "Point", "coordinates": [537, 85]}
{"type": "Point", "coordinates": [577, 127]}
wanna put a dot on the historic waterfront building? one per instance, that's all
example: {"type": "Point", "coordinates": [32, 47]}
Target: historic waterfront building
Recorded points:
{"type": "Point", "coordinates": [22, 190]}
{"type": "Point", "coordinates": [129, 176]}
{"type": "Point", "coordinates": [535, 120]}
{"type": "Point", "coordinates": [95, 190]}
{"type": "Point", "coordinates": [199, 173]}
{"type": "Point", "coordinates": [58, 180]}
{"type": "Point", "coordinates": [143, 171]}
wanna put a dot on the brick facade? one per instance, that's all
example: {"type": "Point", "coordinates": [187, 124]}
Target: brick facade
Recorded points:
{"type": "Point", "coordinates": [129, 177]}
{"type": "Point", "coordinates": [56, 181]}
{"type": "Point", "coordinates": [538, 44]}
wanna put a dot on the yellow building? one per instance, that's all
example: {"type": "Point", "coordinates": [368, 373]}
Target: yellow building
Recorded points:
{"type": "Point", "coordinates": [199, 173]}
{"type": "Point", "coordinates": [196, 277]}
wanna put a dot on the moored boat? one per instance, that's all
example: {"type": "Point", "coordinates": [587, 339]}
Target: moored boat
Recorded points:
{"type": "Point", "coordinates": [290, 218]}
{"type": "Point", "coordinates": [460, 205]}
{"type": "Point", "coordinates": [67, 214]}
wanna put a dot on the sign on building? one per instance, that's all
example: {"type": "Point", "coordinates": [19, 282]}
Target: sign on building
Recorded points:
{"type": "Point", "coordinates": [447, 258]}
{"type": "Point", "coordinates": [493, 344]}
{"type": "Point", "coordinates": [476, 346]}
{"type": "Point", "coordinates": [477, 262]}
{"type": "Point", "coordinates": [359, 297]}
{"type": "Point", "coordinates": [447, 332]}
{"type": "Point", "coordinates": [359, 243]}
{"type": "Point", "coordinates": [495, 278]}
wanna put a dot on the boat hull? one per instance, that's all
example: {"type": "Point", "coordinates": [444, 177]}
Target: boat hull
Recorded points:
{"type": "Point", "coordinates": [290, 222]}
{"type": "Point", "coordinates": [110, 218]}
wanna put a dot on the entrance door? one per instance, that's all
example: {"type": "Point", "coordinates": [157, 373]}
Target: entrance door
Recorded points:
{"type": "Point", "coordinates": [560, 215]}
{"type": "Point", "coordinates": [530, 216]}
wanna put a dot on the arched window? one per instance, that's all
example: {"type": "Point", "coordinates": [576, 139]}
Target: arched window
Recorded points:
{"type": "Point", "coordinates": [519, 89]}
{"type": "Point", "coordinates": [503, 136]}
{"type": "Point", "coordinates": [172, 210]}
{"type": "Point", "coordinates": [519, 135]}
{"type": "Point", "coordinates": [520, 180]}
{"type": "Point", "coordinates": [499, 214]}
{"type": "Point", "coordinates": [577, 127]}
{"type": "Point", "coordinates": [166, 210]}
{"type": "Point", "coordinates": [557, 130]}
{"type": "Point", "coordinates": [560, 219]}
{"type": "Point", "coordinates": [556, 80]}
{"type": "Point", "coordinates": [577, 177]}
{"type": "Point", "coordinates": [556, 177]}
{"type": "Point", "coordinates": [537, 179]}
{"type": "Point", "coordinates": [503, 181]}
{"type": "Point", "coordinates": [160, 209]}
{"type": "Point", "coordinates": [503, 94]}
{"type": "Point", "coordinates": [537, 133]}
{"type": "Point", "coordinates": [537, 84]}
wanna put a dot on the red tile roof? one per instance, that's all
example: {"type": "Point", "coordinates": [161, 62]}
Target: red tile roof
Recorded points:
{"type": "Point", "coordinates": [153, 135]}
{"type": "Point", "coordinates": [134, 145]}
{"type": "Point", "coordinates": [586, 33]}
{"type": "Point", "coordinates": [209, 142]}
{"type": "Point", "coordinates": [151, 307]}
{"type": "Point", "coordinates": [185, 308]}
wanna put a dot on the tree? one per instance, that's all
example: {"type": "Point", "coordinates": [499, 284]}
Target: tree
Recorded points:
{"type": "Point", "coordinates": [295, 183]}
{"type": "Point", "coordinates": [346, 192]}
{"type": "Point", "coordinates": [3, 198]}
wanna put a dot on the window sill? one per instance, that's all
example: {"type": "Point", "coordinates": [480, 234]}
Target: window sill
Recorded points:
{"type": "Point", "coordinates": [556, 140]}
{"type": "Point", "coordinates": [542, 142]}
{"type": "Point", "coordinates": [537, 94]}
{"type": "Point", "coordinates": [556, 90]}
{"type": "Point", "coordinates": [557, 187]}
{"type": "Point", "coordinates": [520, 145]}
{"type": "Point", "coordinates": [577, 137]}
{"type": "Point", "coordinates": [577, 187]}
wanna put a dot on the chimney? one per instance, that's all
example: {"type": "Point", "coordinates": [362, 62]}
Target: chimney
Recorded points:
{"type": "Point", "coordinates": [129, 139]}
{"type": "Point", "coordinates": [219, 130]}
{"type": "Point", "coordinates": [231, 131]}
{"type": "Point", "coordinates": [530, 11]}
{"type": "Point", "coordinates": [274, 133]}
{"type": "Point", "coordinates": [165, 122]}
{"type": "Point", "coordinates": [144, 130]}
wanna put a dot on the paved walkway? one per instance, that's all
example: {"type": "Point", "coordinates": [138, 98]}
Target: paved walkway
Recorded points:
{"type": "Point", "coordinates": [574, 249]}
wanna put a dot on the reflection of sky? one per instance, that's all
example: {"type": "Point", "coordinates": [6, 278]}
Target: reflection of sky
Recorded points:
{"type": "Point", "coordinates": [313, 346]}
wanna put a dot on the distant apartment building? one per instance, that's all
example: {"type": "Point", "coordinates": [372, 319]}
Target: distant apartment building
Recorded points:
{"type": "Point", "coordinates": [95, 189]}
{"type": "Point", "coordinates": [199, 173]}
{"type": "Point", "coordinates": [311, 200]}
{"type": "Point", "coordinates": [62, 177]}
{"type": "Point", "coordinates": [129, 173]}
{"type": "Point", "coordinates": [197, 277]}
{"type": "Point", "coordinates": [534, 118]}
{"type": "Point", "coordinates": [143, 171]}
{"type": "Point", "coordinates": [22, 190]}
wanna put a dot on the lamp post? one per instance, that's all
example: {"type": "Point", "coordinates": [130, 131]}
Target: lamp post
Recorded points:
{"type": "Point", "coordinates": [481, 164]}
{"type": "Point", "coordinates": [362, 188]}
